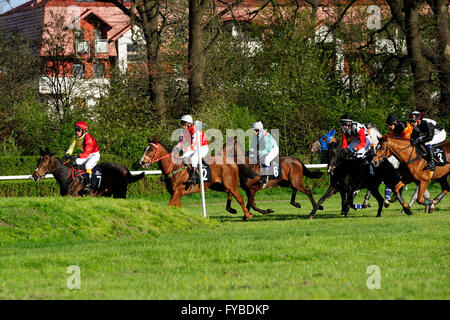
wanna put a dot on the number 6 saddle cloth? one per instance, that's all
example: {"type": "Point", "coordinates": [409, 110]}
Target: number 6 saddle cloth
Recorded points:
{"type": "Point", "coordinates": [274, 171]}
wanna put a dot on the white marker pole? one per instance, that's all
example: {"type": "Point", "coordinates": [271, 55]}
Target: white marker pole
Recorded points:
{"type": "Point", "coordinates": [198, 126]}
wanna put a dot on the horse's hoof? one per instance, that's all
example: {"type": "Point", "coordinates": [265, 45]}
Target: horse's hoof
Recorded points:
{"type": "Point", "coordinates": [295, 204]}
{"type": "Point", "coordinates": [386, 204]}
{"type": "Point", "coordinates": [270, 211]}
{"type": "Point", "coordinates": [232, 211]}
{"type": "Point", "coordinates": [431, 209]}
{"type": "Point", "coordinates": [310, 217]}
{"type": "Point", "coordinates": [320, 207]}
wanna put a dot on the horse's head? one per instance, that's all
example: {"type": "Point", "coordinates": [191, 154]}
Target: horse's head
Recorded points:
{"type": "Point", "coordinates": [382, 152]}
{"type": "Point", "coordinates": [46, 163]}
{"type": "Point", "coordinates": [150, 153]}
{"type": "Point", "coordinates": [322, 143]}
{"type": "Point", "coordinates": [335, 156]}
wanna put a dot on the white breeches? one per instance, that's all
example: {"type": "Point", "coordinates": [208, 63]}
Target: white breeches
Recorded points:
{"type": "Point", "coordinates": [361, 152]}
{"type": "Point", "coordinates": [271, 155]}
{"type": "Point", "coordinates": [90, 161]}
{"type": "Point", "coordinates": [192, 155]}
{"type": "Point", "coordinates": [438, 138]}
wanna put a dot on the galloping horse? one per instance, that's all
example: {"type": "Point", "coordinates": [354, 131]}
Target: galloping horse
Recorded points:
{"type": "Point", "coordinates": [407, 154]}
{"type": "Point", "coordinates": [292, 171]}
{"type": "Point", "coordinates": [225, 177]}
{"type": "Point", "coordinates": [347, 176]}
{"type": "Point", "coordinates": [115, 177]}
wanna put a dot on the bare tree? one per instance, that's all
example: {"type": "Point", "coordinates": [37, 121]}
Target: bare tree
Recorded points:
{"type": "Point", "coordinates": [151, 17]}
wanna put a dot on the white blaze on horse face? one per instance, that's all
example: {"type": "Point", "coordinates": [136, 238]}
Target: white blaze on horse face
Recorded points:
{"type": "Point", "coordinates": [142, 163]}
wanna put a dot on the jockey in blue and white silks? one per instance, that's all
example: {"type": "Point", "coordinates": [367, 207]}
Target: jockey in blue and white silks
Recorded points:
{"type": "Point", "coordinates": [263, 147]}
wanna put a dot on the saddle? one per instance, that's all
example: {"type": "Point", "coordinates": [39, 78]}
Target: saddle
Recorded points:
{"type": "Point", "coordinates": [274, 171]}
{"type": "Point", "coordinates": [206, 172]}
{"type": "Point", "coordinates": [96, 178]}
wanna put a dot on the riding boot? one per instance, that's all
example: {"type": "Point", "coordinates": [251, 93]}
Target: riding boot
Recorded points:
{"type": "Point", "coordinates": [87, 186]}
{"type": "Point", "coordinates": [430, 151]}
{"type": "Point", "coordinates": [264, 175]}
{"type": "Point", "coordinates": [194, 177]}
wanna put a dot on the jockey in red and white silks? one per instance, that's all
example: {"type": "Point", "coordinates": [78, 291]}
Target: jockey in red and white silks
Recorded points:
{"type": "Point", "coordinates": [190, 153]}
{"type": "Point", "coordinates": [360, 144]}
{"type": "Point", "coordinates": [86, 142]}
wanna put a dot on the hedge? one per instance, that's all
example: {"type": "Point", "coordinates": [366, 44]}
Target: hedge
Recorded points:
{"type": "Point", "coordinates": [151, 185]}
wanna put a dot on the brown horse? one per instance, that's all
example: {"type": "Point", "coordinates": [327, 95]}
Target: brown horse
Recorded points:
{"type": "Point", "coordinates": [406, 153]}
{"type": "Point", "coordinates": [115, 177]}
{"type": "Point", "coordinates": [225, 177]}
{"type": "Point", "coordinates": [292, 171]}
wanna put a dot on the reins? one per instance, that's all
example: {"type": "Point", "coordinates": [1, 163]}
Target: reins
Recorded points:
{"type": "Point", "coordinates": [156, 158]}
{"type": "Point", "coordinates": [397, 153]}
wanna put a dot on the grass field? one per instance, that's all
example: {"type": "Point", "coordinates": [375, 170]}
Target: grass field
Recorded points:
{"type": "Point", "coordinates": [140, 249]}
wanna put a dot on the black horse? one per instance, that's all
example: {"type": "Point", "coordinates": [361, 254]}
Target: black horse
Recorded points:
{"type": "Point", "coordinates": [114, 181]}
{"type": "Point", "coordinates": [349, 174]}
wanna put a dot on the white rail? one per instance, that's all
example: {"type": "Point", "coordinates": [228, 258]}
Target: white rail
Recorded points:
{"type": "Point", "coordinates": [147, 172]}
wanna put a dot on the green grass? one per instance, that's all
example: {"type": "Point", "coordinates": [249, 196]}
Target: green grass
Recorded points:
{"type": "Point", "coordinates": [276, 256]}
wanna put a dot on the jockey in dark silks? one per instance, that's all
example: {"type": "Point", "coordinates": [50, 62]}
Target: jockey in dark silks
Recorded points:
{"type": "Point", "coordinates": [432, 133]}
{"type": "Point", "coordinates": [398, 128]}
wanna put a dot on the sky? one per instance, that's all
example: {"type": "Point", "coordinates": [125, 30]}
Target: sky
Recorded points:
{"type": "Point", "coordinates": [5, 6]}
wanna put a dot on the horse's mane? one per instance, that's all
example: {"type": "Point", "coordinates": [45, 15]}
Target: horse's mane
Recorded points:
{"type": "Point", "coordinates": [373, 130]}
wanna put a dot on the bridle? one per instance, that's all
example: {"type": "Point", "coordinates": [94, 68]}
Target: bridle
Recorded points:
{"type": "Point", "coordinates": [323, 145]}
{"type": "Point", "coordinates": [381, 158]}
{"type": "Point", "coordinates": [156, 157]}
{"type": "Point", "coordinates": [45, 171]}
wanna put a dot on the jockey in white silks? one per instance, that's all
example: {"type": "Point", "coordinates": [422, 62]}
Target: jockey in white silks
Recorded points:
{"type": "Point", "coordinates": [264, 149]}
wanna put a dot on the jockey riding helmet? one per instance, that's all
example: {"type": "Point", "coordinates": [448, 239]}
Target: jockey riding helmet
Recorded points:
{"type": "Point", "coordinates": [81, 125]}
{"type": "Point", "coordinates": [391, 119]}
{"type": "Point", "coordinates": [187, 118]}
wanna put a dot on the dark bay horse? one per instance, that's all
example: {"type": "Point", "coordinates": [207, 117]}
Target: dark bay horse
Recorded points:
{"type": "Point", "coordinates": [115, 177]}
{"type": "Point", "coordinates": [292, 171]}
{"type": "Point", "coordinates": [322, 143]}
{"type": "Point", "coordinates": [347, 176]}
{"type": "Point", "coordinates": [225, 176]}
{"type": "Point", "coordinates": [407, 154]}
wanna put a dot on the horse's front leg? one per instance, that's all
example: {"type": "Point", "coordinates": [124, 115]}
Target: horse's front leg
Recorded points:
{"type": "Point", "coordinates": [331, 190]}
{"type": "Point", "coordinates": [253, 204]}
{"type": "Point", "coordinates": [347, 202]}
{"type": "Point", "coordinates": [399, 186]}
{"type": "Point", "coordinates": [175, 199]}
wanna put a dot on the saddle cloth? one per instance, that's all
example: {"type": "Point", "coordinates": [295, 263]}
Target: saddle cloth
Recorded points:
{"type": "Point", "coordinates": [439, 155]}
{"type": "Point", "coordinates": [274, 171]}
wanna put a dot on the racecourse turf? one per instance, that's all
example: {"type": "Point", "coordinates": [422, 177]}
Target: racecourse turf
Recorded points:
{"type": "Point", "coordinates": [140, 249]}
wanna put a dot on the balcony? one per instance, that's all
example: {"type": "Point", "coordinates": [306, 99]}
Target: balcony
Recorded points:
{"type": "Point", "coordinates": [101, 46]}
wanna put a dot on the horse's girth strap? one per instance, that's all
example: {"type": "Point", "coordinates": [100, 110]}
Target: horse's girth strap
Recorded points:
{"type": "Point", "coordinates": [176, 171]}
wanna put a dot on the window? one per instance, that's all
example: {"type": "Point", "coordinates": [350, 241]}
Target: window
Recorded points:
{"type": "Point", "coordinates": [136, 52]}
{"type": "Point", "coordinates": [78, 70]}
{"type": "Point", "coordinates": [99, 70]}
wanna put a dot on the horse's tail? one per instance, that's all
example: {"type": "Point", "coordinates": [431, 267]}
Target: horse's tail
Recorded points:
{"type": "Point", "coordinates": [135, 178]}
{"type": "Point", "coordinates": [310, 174]}
{"type": "Point", "coordinates": [246, 172]}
